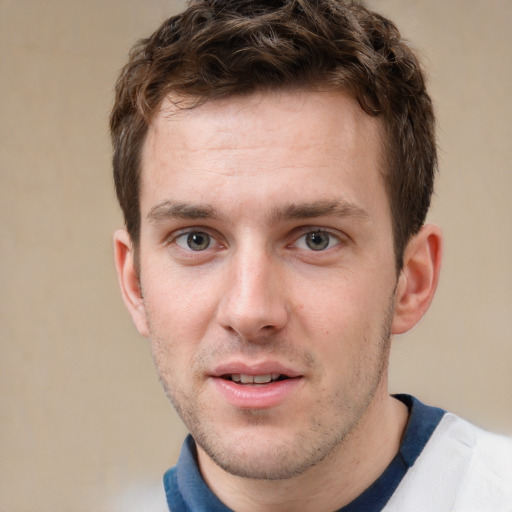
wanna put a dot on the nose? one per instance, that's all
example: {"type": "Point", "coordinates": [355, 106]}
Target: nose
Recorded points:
{"type": "Point", "coordinates": [253, 305]}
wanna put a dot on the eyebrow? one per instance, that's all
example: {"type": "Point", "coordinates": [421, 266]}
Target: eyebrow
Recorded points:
{"type": "Point", "coordinates": [314, 209]}
{"type": "Point", "coordinates": [171, 210]}
{"type": "Point", "coordinates": [167, 210]}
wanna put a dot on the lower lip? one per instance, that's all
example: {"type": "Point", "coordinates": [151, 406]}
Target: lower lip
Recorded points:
{"type": "Point", "coordinates": [254, 396]}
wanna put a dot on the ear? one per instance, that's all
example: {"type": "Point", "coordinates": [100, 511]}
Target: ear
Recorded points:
{"type": "Point", "coordinates": [129, 280]}
{"type": "Point", "coordinates": [418, 278]}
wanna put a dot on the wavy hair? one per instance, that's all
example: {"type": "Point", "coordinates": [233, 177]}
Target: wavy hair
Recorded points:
{"type": "Point", "coordinates": [222, 48]}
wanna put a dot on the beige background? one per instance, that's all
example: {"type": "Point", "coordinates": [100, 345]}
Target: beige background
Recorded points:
{"type": "Point", "coordinates": [83, 423]}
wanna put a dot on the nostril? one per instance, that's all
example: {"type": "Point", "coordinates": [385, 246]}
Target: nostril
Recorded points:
{"type": "Point", "coordinates": [252, 320]}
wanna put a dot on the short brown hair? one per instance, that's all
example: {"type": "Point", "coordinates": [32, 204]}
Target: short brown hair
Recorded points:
{"type": "Point", "coordinates": [222, 48]}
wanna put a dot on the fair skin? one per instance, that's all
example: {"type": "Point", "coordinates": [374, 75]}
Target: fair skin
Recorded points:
{"type": "Point", "coordinates": [266, 255]}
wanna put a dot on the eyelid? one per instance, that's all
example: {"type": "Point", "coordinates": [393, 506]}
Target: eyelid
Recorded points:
{"type": "Point", "coordinates": [185, 236]}
{"type": "Point", "coordinates": [171, 239]}
{"type": "Point", "coordinates": [301, 243]}
{"type": "Point", "coordinates": [217, 239]}
{"type": "Point", "coordinates": [305, 230]}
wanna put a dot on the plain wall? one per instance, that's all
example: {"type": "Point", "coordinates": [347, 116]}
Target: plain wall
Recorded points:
{"type": "Point", "coordinates": [84, 424]}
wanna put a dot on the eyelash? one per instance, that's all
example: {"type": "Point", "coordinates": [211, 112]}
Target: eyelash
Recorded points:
{"type": "Point", "coordinates": [190, 233]}
{"type": "Point", "coordinates": [317, 231]}
{"type": "Point", "coordinates": [334, 240]}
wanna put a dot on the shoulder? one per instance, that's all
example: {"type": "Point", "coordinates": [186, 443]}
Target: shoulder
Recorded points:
{"type": "Point", "coordinates": [490, 453]}
{"type": "Point", "coordinates": [488, 473]}
{"type": "Point", "coordinates": [462, 469]}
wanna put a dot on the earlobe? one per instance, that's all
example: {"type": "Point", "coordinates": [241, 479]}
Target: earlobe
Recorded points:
{"type": "Point", "coordinates": [418, 278]}
{"type": "Point", "coordinates": [129, 280]}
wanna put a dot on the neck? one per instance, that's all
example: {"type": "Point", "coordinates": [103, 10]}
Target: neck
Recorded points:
{"type": "Point", "coordinates": [350, 469]}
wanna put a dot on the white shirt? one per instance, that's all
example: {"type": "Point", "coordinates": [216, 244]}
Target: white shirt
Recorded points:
{"type": "Point", "coordinates": [461, 469]}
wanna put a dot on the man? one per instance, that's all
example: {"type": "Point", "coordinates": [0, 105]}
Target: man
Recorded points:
{"type": "Point", "coordinates": [275, 162]}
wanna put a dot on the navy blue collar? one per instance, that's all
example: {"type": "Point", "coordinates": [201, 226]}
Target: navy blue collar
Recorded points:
{"type": "Point", "coordinates": [186, 490]}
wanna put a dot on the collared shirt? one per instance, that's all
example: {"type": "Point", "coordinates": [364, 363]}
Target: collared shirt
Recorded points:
{"type": "Point", "coordinates": [186, 490]}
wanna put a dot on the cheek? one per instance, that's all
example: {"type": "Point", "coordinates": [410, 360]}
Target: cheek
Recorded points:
{"type": "Point", "coordinates": [345, 318]}
{"type": "Point", "coordinates": [179, 304]}
{"type": "Point", "coordinates": [339, 302]}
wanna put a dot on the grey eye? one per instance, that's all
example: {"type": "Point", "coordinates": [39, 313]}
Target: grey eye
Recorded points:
{"type": "Point", "coordinates": [195, 241]}
{"type": "Point", "coordinates": [198, 241]}
{"type": "Point", "coordinates": [318, 240]}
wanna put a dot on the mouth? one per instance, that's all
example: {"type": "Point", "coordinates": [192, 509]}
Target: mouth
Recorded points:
{"type": "Point", "coordinates": [242, 378]}
{"type": "Point", "coordinates": [262, 385]}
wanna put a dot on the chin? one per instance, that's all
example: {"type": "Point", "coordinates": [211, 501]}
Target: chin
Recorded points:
{"type": "Point", "coordinates": [273, 464]}
{"type": "Point", "coordinates": [267, 455]}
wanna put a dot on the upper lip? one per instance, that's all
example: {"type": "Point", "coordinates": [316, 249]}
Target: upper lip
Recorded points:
{"type": "Point", "coordinates": [260, 368]}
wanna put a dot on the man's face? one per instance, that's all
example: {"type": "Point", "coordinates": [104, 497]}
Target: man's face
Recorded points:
{"type": "Point", "coordinates": [267, 273]}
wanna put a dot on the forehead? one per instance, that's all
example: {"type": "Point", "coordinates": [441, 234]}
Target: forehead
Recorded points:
{"type": "Point", "coordinates": [258, 117]}
{"type": "Point", "coordinates": [262, 144]}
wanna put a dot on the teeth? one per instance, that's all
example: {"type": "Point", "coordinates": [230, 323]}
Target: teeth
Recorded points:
{"type": "Point", "coordinates": [262, 379]}
{"type": "Point", "coordinates": [254, 379]}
